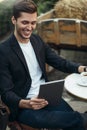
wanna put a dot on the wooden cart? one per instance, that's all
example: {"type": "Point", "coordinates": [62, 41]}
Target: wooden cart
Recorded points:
{"type": "Point", "coordinates": [64, 33]}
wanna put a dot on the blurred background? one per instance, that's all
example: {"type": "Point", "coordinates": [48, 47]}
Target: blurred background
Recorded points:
{"type": "Point", "coordinates": [73, 13]}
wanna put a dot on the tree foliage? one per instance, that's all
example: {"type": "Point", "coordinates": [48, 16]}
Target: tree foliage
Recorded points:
{"type": "Point", "coordinates": [44, 6]}
{"type": "Point", "coordinates": [5, 17]}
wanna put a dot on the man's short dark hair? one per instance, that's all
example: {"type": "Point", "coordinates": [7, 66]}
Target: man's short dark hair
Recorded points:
{"type": "Point", "coordinates": [27, 6]}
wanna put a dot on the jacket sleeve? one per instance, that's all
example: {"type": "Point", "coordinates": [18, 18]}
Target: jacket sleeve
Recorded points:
{"type": "Point", "coordinates": [59, 62]}
{"type": "Point", "coordinates": [6, 84]}
{"type": "Point", "coordinates": [56, 61]}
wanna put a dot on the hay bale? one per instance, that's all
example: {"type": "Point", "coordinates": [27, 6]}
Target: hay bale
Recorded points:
{"type": "Point", "coordinates": [70, 9]}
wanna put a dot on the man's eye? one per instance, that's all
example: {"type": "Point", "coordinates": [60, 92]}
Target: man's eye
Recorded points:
{"type": "Point", "coordinates": [24, 22]}
{"type": "Point", "coordinates": [33, 23]}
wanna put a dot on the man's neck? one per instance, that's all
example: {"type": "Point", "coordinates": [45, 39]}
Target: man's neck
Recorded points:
{"type": "Point", "coordinates": [21, 40]}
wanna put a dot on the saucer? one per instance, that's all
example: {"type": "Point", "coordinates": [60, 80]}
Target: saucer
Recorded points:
{"type": "Point", "coordinates": [81, 83]}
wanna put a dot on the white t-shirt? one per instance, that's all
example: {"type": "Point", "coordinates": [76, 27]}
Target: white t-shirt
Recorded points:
{"type": "Point", "coordinates": [34, 69]}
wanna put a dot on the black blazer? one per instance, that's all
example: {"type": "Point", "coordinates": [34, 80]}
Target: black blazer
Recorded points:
{"type": "Point", "coordinates": [15, 80]}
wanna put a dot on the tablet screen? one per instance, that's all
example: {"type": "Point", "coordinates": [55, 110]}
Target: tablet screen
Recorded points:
{"type": "Point", "coordinates": [52, 91]}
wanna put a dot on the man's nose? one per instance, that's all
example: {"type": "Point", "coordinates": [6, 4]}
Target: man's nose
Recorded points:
{"type": "Point", "coordinates": [29, 26]}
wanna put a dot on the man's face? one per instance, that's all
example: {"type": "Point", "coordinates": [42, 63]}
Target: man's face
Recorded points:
{"type": "Point", "coordinates": [24, 26]}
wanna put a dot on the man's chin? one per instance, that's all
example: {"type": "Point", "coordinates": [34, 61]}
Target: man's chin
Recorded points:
{"type": "Point", "coordinates": [27, 37]}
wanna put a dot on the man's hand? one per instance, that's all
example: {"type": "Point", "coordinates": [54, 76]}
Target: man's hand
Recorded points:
{"type": "Point", "coordinates": [34, 103]}
{"type": "Point", "coordinates": [82, 69]}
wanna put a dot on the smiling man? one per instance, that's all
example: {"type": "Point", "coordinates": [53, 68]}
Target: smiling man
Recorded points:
{"type": "Point", "coordinates": [22, 69]}
{"type": "Point", "coordinates": [24, 25]}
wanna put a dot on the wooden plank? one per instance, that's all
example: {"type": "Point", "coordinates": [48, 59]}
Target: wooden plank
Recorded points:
{"type": "Point", "coordinates": [67, 30]}
{"type": "Point", "coordinates": [48, 31]}
{"type": "Point", "coordinates": [78, 33]}
{"type": "Point", "coordinates": [83, 26]}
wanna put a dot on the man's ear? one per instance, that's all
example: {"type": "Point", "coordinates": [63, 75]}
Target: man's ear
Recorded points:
{"type": "Point", "coordinates": [13, 20]}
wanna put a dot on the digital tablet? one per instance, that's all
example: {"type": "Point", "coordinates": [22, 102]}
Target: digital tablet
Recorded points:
{"type": "Point", "coordinates": [52, 91]}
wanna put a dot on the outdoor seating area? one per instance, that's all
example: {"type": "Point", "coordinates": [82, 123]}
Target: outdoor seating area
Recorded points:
{"type": "Point", "coordinates": [39, 49]}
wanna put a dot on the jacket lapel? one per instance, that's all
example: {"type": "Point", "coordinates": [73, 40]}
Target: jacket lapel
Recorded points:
{"type": "Point", "coordinates": [16, 48]}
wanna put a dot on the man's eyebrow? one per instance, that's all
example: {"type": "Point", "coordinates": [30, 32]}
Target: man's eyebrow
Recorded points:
{"type": "Point", "coordinates": [29, 21]}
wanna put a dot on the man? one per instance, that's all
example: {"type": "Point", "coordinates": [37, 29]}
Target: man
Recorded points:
{"type": "Point", "coordinates": [22, 70]}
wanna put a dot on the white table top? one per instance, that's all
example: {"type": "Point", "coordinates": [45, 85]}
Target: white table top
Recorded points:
{"type": "Point", "coordinates": [72, 86]}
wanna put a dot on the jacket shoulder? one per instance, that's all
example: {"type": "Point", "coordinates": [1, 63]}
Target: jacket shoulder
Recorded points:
{"type": "Point", "coordinates": [37, 38]}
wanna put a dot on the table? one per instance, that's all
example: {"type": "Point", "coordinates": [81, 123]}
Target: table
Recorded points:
{"type": "Point", "coordinates": [72, 87]}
